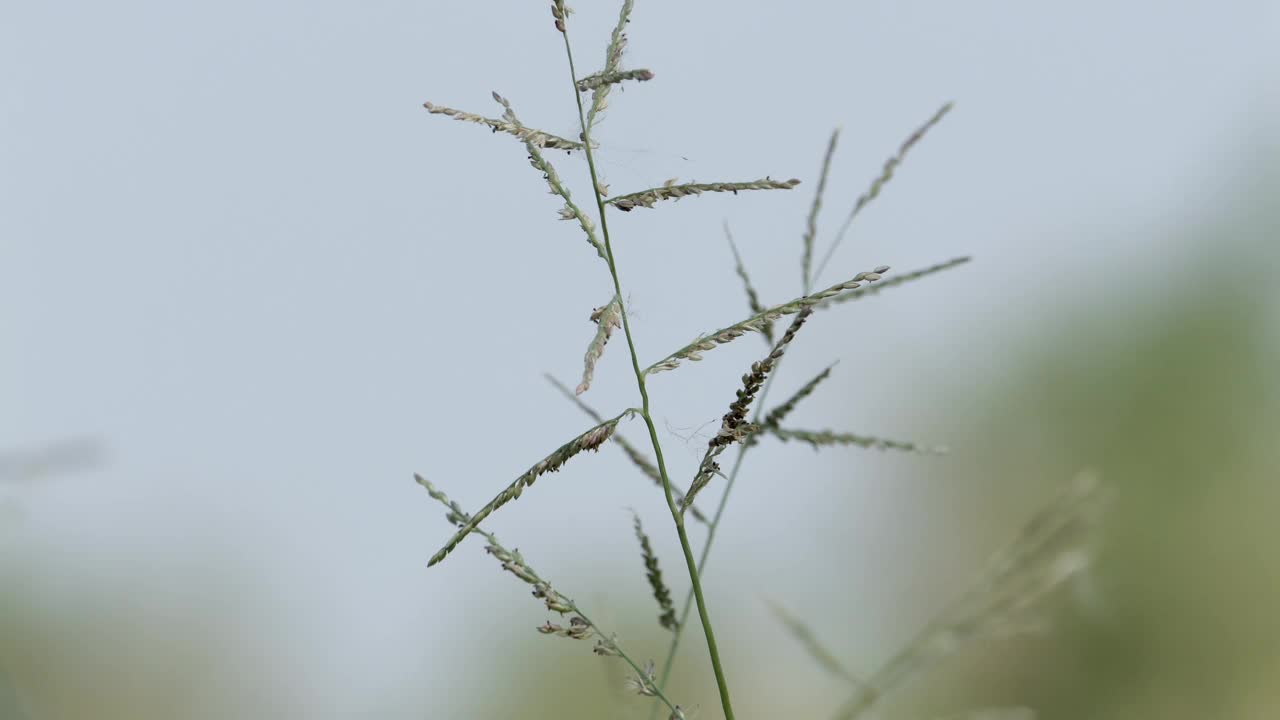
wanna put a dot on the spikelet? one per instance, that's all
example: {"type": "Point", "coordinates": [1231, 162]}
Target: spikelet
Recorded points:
{"type": "Point", "coordinates": [648, 198]}
{"type": "Point", "coordinates": [591, 82]}
{"type": "Point", "coordinates": [637, 457]}
{"type": "Point", "coordinates": [823, 438]}
{"type": "Point", "coordinates": [809, 640]}
{"type": "Point", "coordinates": [1054, 547]}
{"type": "Point", "coordinates": [612, 62]}
{"type": "Point", "coordinates": [886, 174]}
{"type": "Point", "coordinates": [661, 593]}
{"type": "Point", "coordinates": [774, 417]}
{"type": "Point", "coordinates": [734, 426]}
{"type": "Point", "coordinates": [511, 560]}
{"type": "Point", "coordinates": [570, 211]}
{"type": "Point", "coordinates": [753, 298]}
{"type": "Point", "coordinates": [895, 281]}
{"type": "Point", "coordinates": [607, 318]}
{"type": "Point", "coordinates": [589, 440]}
{"type": "Point", "coordinates": [537, 137]}
{"type": "Point", "coordinates": [811, 223]}
{"type": "Point", "coordinates": [693, 351]}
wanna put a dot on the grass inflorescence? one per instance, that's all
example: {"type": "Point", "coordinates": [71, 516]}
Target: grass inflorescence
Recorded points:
{"type": "Point", "coordinates": [1002, 596]}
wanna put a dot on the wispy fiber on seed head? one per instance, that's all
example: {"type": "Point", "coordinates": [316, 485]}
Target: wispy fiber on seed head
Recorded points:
{"type": "Point", "coordinates": [811, 223]}
{"type": "Point", "coordinates": [823, 438]}
{"type": "Point", "coordinates": [734, 426]}
{"type": "Point", "coordinates": [591, 82]}
{"type": "Point", "coordinates": [612, 62]}
{"type": "Point", "coordinates": [1055, 546]}
{"type": "Point", "coordinates": [693, 351]}
{"type": "Point", "coordinates": [661, 593]}
{"type": "Point", "coordinates": [753, 299]}
{"type": "Point", "coordinates": [537, 137]}
{"type": "Point", "coordinates": [895, 281]}
{"type": "Point", "coordinates": [570, 211]}
{"type": "Point", "coordinates": [637, 457]}
{"type": "Point", "coordinates": [886, 174]}
{"type": "Point", "coordinates": [774, 417]}
{"type": "Point", "coordinates": [648, 198]}
{"type": "Point", "coordinates": [607, 318]}
{"type": "Point", "coordinates": [590, 440]}
{"type": "Point", "coordinates": [809, 640]}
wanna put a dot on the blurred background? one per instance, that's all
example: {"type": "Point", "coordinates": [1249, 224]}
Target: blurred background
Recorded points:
{"type": "Point", "coordinates": [248, 287]}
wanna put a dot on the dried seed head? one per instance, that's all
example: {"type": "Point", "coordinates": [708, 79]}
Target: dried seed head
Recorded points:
{"type": "Point", "coordinates": [607, 317]}
{"type": "Point", "coordinates": [589, 440]}
{"type": "Point", "coordinates": [669, 191]}
{"type": "Point", "coordinates": [755, 324]}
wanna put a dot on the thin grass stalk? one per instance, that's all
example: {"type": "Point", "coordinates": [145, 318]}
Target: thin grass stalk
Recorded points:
{"type": "Point", "coordinates": [886, 174]}
{"type": "Point", "coordinates": [712, 649]}
{"type": "Point", "coordinates": [732, 480]}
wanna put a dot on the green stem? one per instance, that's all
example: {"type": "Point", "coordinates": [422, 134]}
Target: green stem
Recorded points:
{"type": "Point", "coordinates": [713, 527]}
{"type": "Point", "coordinates": [676, 516]}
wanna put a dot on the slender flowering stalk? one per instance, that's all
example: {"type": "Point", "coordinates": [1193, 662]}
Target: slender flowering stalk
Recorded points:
{"type": "Point", "coordinates": [607, 317]}
{"type": "Point", "coordinates": [538, 138]}
{"type": "Point", "coordinates": [589, 440]}
{"type": "Point", "coordinates": [722, 683]}
{"type": "Point", "coordinates": [734, 426]}
{"type": "Point", "coordinates": [811, 223]}
{"type": "Point", "coordinates": [821, 438]}
{"type": "Point", "coordinates": [591, 82]}
{"type": "Point", "coordinates": [654, 574]}
{"type": "Point", "coordinates": [634, 454]}
{"type": "Point", "coordinates": [649, 198]}
{"type": "Point", "coordinates": [886, 174]}
{"type": "Point", "coordinates": [693, 351]}
{"type": "Point", "coordinates": [753, 298]}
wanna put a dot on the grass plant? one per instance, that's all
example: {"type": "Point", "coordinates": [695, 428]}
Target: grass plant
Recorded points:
{"type": "Point", "coordinates": [1003, 594]}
